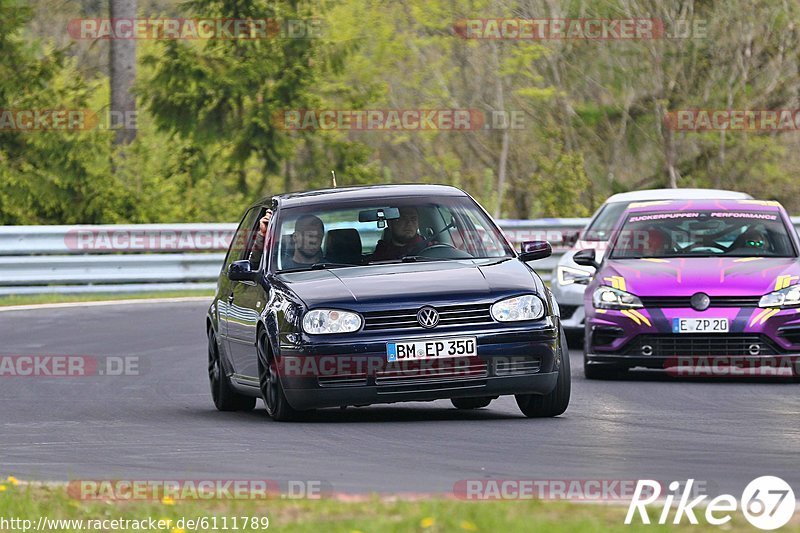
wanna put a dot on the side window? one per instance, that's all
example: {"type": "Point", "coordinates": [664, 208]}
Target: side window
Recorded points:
{"type": "Point", "coordinates": [607, 218]}
{"type": "Point", "coordinates": [252, 235]}
{"type": "Point", "coordinates": [244, 237]}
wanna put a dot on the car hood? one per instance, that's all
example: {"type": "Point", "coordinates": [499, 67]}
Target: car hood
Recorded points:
{"type": "Point", "coordinates": [396, 285]}
{"type": "Point", "coordinates": [715, 276]}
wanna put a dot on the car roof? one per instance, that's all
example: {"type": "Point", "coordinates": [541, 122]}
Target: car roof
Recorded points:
{"type": "Point", "coordinates": [675, 194]}
{"type": "Point", "coordinates": [660, 206]}
{"type": "Point", "coordinates": [323, 196]}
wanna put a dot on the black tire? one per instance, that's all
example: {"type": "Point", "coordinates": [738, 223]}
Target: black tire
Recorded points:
{"type": "Point", "coordinates": [556, 401]}
{"type": "Point", "coordinates": [600, 371]}
{"type": "Point", "coordinates": [269, 382]}
{"type": "Point", "coordinates": [225, 397]}
{"type": "Point", "coordinates": [471, 403]}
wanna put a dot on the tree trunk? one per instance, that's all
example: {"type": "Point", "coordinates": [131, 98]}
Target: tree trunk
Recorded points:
{"type": "Point", "coordinates": [503, 161]}
{"type": "Point", "coordinates": [670, 158]}
{"type": "Point", "coordinates": [122, 58]}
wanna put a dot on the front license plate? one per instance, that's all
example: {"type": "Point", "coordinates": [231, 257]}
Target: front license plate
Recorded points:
{"type": "Point", "coordinates": [431, 349]}
{"type": "Point", "coordinates": [699, 325]}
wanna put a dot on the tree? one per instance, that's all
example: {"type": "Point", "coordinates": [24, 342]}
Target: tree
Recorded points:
{"type": "Point", "coordinates": [122, 62]}
{"type": "Point", "coordinates": [228, 94]}
{"type": "Point", "coordinates": [49, 174]}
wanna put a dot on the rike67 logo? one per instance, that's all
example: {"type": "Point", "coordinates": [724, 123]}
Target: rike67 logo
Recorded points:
{"type": "Point", "coordinates": [768, 503]}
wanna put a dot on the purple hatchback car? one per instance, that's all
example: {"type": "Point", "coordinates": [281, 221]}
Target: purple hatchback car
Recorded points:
{"type": "Point", "coordinates": [696, 286]}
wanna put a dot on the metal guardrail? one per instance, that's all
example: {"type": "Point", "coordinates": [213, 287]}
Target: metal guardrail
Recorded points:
{"type": "Point", "coordinates": [103, 239]}
{"type": "Point", "coordinates": [167, 257]}
{"type": "Point", "coordinates": [163, 257]}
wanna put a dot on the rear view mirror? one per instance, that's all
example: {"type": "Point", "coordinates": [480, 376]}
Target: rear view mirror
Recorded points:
{"type": "Point", "coordinates": [533, 250]}
{"type": "Point", "coordinates": [374, 215]}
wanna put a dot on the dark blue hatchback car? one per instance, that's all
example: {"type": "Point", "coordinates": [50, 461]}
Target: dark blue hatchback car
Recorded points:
{"type": "Point", "coordinates": [382, 294]}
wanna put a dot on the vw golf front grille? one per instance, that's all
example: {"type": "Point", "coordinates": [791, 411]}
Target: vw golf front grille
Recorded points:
{"type": "Point", "coordinates": [451, 315]}
{"type": "Point", "coordinates": [686, 301]}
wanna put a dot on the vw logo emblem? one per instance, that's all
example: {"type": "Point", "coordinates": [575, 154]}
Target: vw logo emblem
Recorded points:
{"type": "Point", "coordinates": [700, 301]}
{"type": "Point", "coordinates": [428, 317]}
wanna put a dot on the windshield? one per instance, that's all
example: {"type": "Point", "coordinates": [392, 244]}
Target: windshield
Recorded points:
{"type": "Point", "coordinates": [703, 234]}
{"type": "Point", "coordinates": [385, 230]}
{"type": "Point", "coordinates": [600, 228]}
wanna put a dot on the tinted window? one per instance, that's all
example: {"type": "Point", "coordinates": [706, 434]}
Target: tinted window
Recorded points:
{"type": "Point", "coordinates": [348, 233]}
{"type": "Point", "coordinates": [244, 237]}
{"type": "Point", "coordinates": [703, 234]}
{"type": "Point", "coordinates": [601, 227]}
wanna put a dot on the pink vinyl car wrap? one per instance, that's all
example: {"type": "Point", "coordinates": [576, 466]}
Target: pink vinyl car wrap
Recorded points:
{"type": "Point", "coordinates": [688, 282]}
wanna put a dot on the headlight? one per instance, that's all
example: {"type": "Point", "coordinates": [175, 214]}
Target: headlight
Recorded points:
{"type": "Point", "coordinates": [610, 298]}
{"type": "Point", "coordinates": [528, 307]}
{"type": "Point", "coordinates": [788, 297]}
{"type": "Point", "coordinates": [327, 321]}
{"type": "Point", "coordinates": [569, 275]}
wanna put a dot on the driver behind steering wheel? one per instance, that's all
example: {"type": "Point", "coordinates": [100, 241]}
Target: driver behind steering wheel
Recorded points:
{"type": "Point", "coordinates": [403, 238]}
{"type": "Point", "coordinates": [751, 241]}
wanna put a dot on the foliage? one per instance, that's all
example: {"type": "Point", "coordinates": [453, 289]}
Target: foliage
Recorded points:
{"type": "Point", "coordinates": [590, 113]}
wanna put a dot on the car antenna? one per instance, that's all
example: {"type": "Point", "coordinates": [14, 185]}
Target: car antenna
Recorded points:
{"type": "Point", "coordinates": [333, 177]}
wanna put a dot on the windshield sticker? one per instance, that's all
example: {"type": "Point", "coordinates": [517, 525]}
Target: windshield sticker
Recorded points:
{"type": "Point", "coordinates": [723, 214]}
{"type": "Point", "coordinates": [663, 216]}
{"type": "Point", "coordinates": [759, 216]}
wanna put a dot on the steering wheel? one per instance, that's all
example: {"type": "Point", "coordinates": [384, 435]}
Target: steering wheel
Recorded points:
{"type": "Point", "coordinates": [704, 245]}
{"type": "Point", "coordinates": [427, 247]}
{"type": "Point", "coordinates": [442, 250]}
{"type": "Point", "coordinates": [430, 235]}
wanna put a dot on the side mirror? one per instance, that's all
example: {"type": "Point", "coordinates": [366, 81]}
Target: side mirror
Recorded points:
{"type": "Point", "coordinates": [533, 250]}
{"type": "Point", "coordinates": [586, 258]}
{"type": "Point", "coordinates": [240, 271]}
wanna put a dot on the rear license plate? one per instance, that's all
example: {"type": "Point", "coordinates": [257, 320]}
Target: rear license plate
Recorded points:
{"type": "Point", "coordinates": [431, 349]}
{"type": "Point", "coordinates": [699, 325]}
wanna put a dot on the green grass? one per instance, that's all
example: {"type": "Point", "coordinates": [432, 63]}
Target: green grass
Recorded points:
{"type": "Point", "coordinates": [99, 297]}
{"type": "Point", "coordinates": [329, 515]}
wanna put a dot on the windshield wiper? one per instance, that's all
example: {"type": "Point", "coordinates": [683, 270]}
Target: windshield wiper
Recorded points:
{"type": "Point", "coordinates": [316, 266]}
{"type": "Point", "coordinates": [327, 264]}
{"type": "Point", "coordinates": [406, 259]}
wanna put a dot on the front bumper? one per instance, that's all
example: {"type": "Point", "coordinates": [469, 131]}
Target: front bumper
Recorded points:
{"type": "Point", "coordinates": [757, 339]}
{"type": "Point", "coordinates": [309, 398]}
{"type": "Point", "coordinates": [510, 360]}
{"type": "Point", "coordinates": [783, 365]}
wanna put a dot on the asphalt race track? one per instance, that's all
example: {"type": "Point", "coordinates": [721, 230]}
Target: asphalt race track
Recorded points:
{"type": "Point", "coordinates": [161, 424]}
